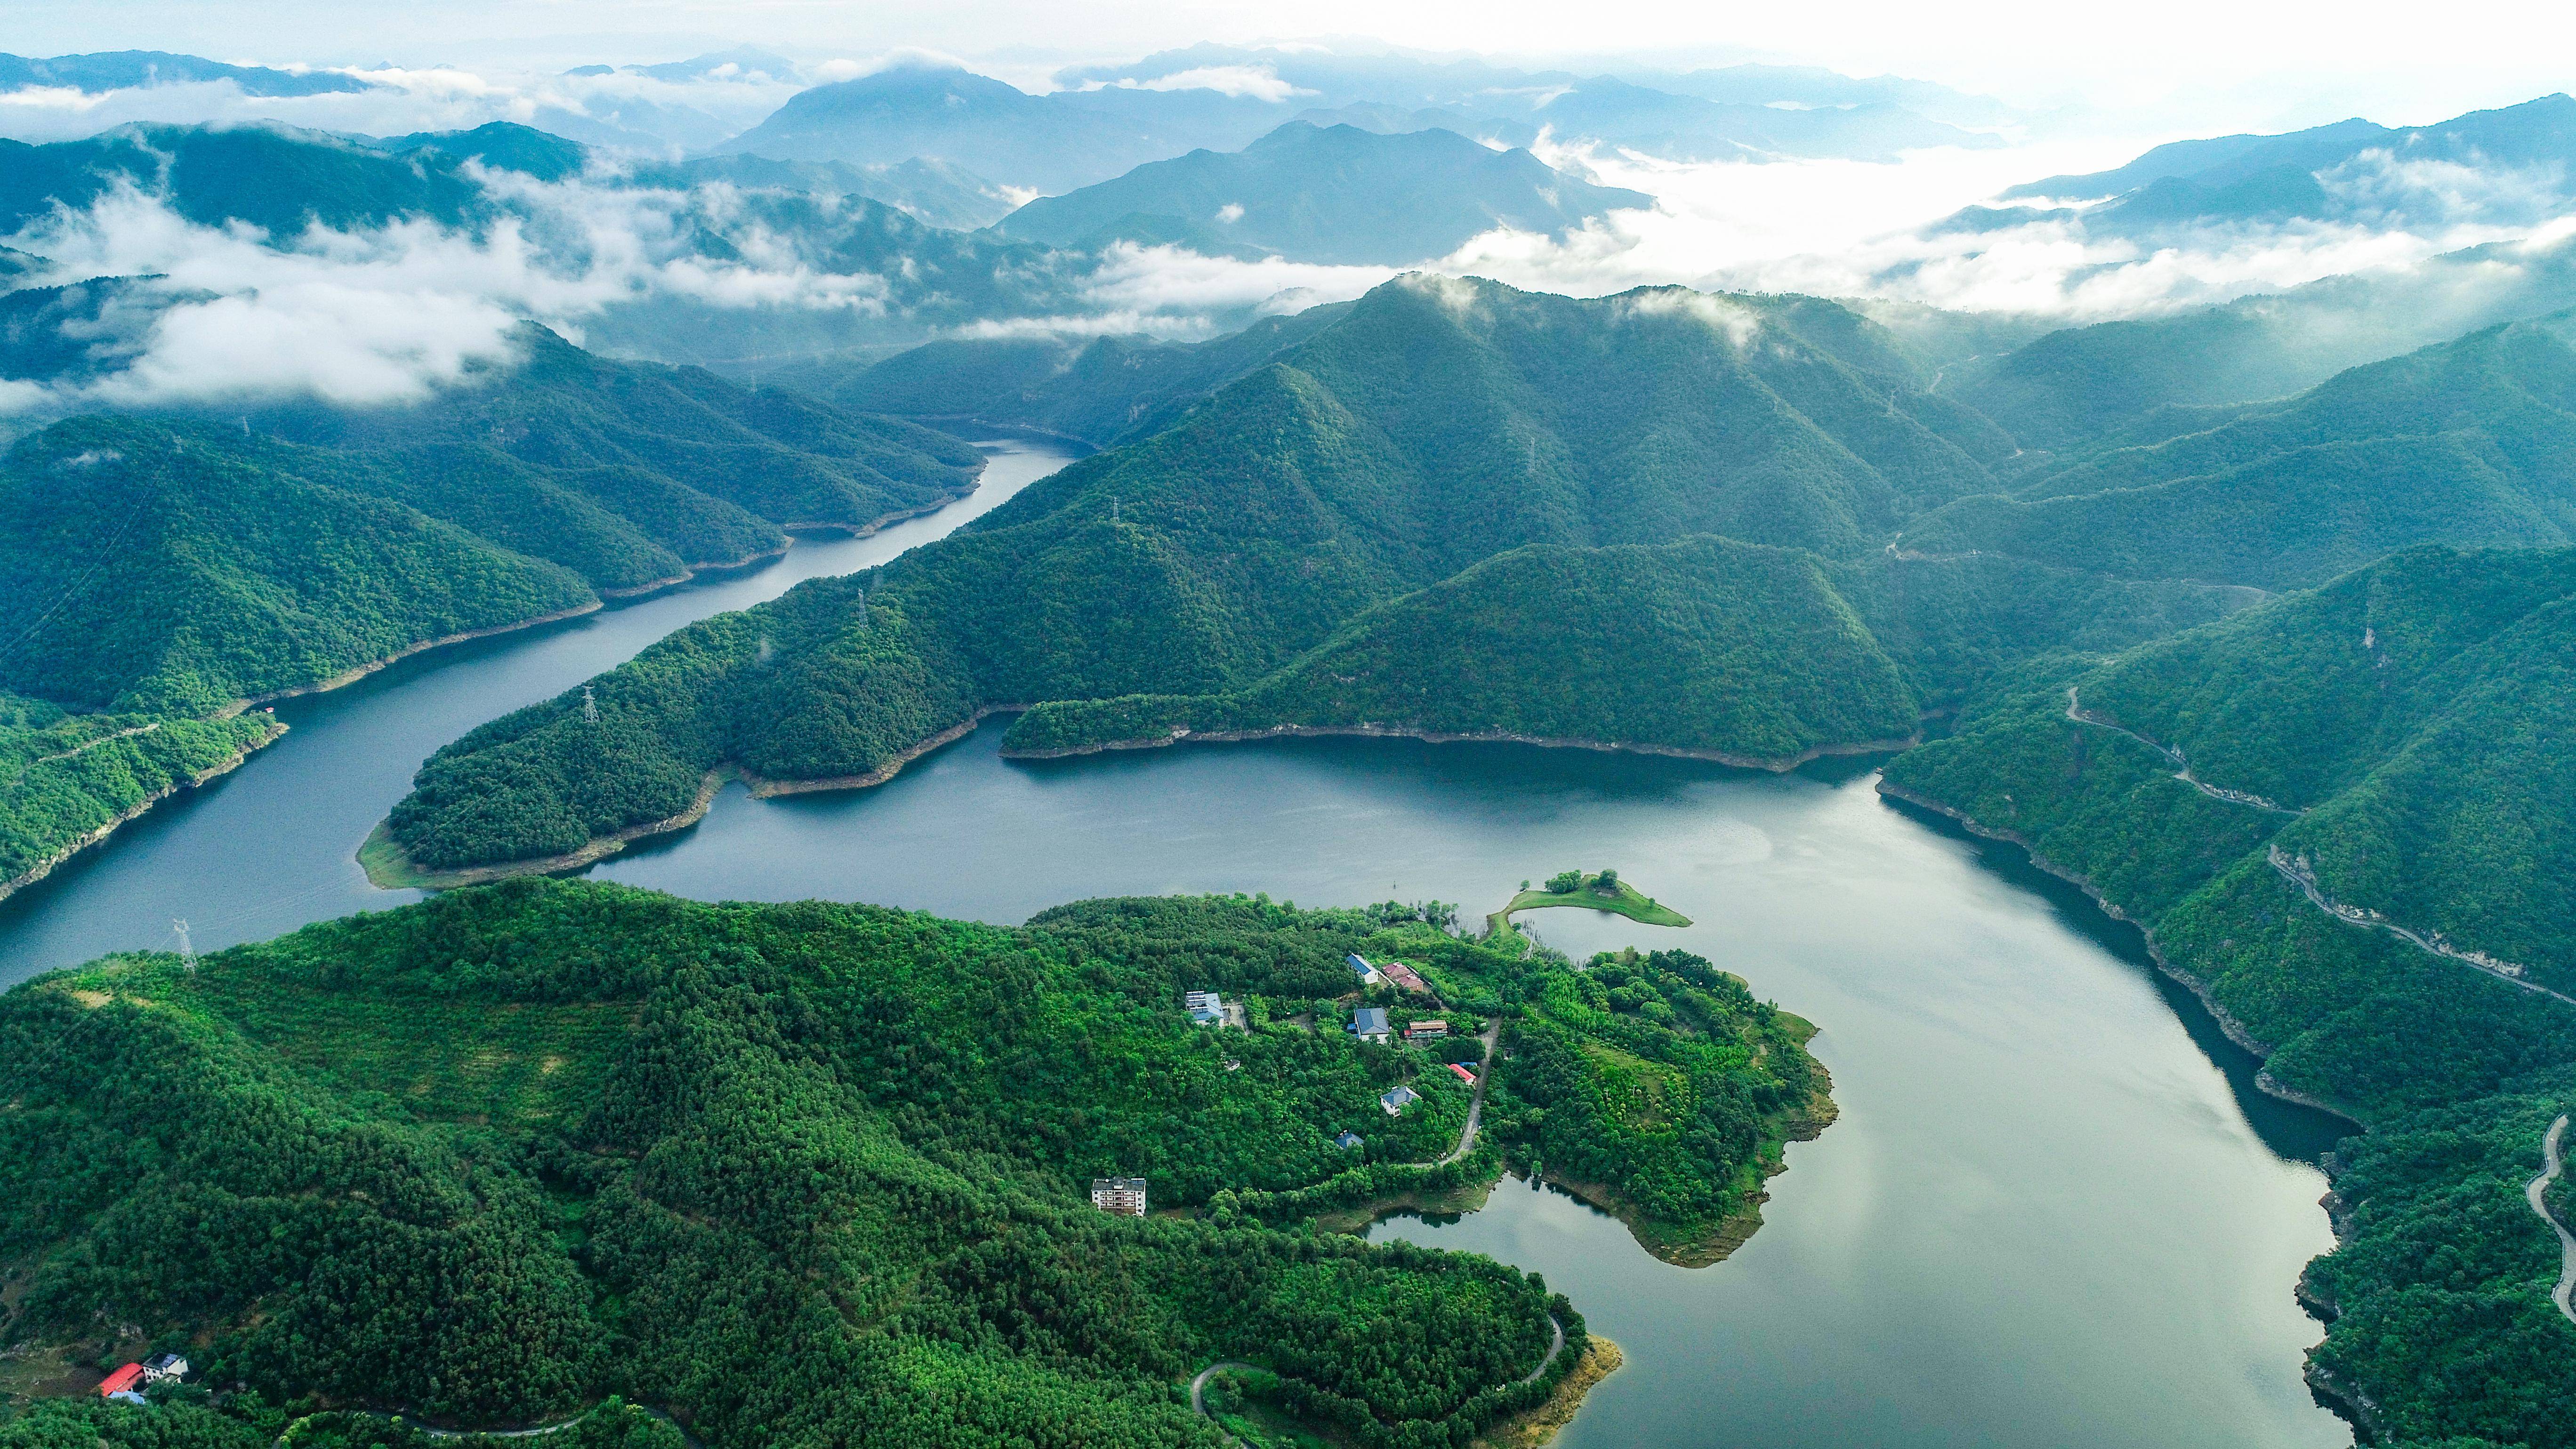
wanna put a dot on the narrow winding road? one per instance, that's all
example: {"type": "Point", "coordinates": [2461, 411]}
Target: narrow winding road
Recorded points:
{"type": "Point", "coordinates": [1466, 1144]}
{"type": "Point", "coordinates": [2355, 916]}
{"type": "Point", "coordinates": [2537, 1191]}
{"type": "Point", "coordinates": [1475, 1105]}
{"type": "Point", "coordinates": [1198, 1386]}
{"type": "Point", "coordinates": [2182, 767]}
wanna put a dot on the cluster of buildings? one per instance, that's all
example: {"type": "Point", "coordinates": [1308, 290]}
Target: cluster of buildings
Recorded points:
{"type": "Point", "coordinates": [1125, 1196]}
{"type": "Point", "coordinates": [126, 1385]}
{"type": "Point", "coordinates": [1393, 972]}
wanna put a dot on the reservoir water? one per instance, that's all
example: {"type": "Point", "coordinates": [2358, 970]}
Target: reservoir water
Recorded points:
{"type": "Point", "coordinates": [2054, 1211]}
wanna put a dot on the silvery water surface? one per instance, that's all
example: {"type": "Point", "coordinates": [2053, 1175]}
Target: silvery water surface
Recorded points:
{"type": "Point", "coordinates": [2054, 1212]}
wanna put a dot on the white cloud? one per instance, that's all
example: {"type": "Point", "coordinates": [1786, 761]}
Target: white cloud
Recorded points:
{"type": "Point", "coordinates": [1258, 82]}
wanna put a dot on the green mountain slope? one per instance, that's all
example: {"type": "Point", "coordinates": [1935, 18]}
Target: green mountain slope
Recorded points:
{"type": "Point", "coordinates": [2073, 387]}
{"type": "Point", "coordinates": [1753, 654]}
{"type": "Point", "coordinates": [1436, 424]}
{"type": "Point", "coordinates": [151, 570]}
{"type": "Point", "coordinates": [1331, 194]}
{"type": "Point", "coordinates": [2401, 744]}
{"type": "Point", "coordinates": [819, 1173]}
{"type": "Point", "coordinates": [2471, 442]}
{"type": "Point", "coordinates": [1102, 390]}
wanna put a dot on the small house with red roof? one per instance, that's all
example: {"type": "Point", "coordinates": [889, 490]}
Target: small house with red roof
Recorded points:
{"type": "Point", "coordinates": [124, 1381]}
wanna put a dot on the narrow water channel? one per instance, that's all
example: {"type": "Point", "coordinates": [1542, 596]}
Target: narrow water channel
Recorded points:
{"type": "Point", "coordinates": [2054, 1212]}
{"type": "Point", "coordinates": [272, 845]}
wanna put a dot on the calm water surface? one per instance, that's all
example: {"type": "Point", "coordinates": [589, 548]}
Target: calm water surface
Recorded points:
{"type": "Point", "coordinates": [2053, 1213]}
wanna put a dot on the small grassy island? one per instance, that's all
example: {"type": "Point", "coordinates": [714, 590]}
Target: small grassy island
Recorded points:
{"type": "Point", "coordinates": [810, 1174]}
{"type": "Point", "coordinates": [1602, 891]}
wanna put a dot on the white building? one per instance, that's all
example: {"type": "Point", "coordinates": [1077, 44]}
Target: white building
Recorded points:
{"type": "Point", "coordinates": [1205, 1007]}
{"type": "Point", "coordinates": [1396, 1101]}
{"type": "Point", "coordinates": [1124, 1196]}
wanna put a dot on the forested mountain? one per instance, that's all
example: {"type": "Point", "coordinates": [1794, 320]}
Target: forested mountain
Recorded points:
{"type": "Point", "coordinates": [1432, 426]}
{"type": "Point", "coordinates": [2468, 442]}
{"type": "Point", "coordinates": [1335, 194]}
{"type": "Point", "coordinates": [160, 572]}
{"type": "Point", "coordinates": [818, 1173]}
{"type": "Point", "coordinates": [2398, 745]}
{"type": "Point", "coordinates": [2078, 386]}
{"type": "Point", "coordinates": [1100, 390]}
{"type": "Point", "coordinates": [1748, 653]}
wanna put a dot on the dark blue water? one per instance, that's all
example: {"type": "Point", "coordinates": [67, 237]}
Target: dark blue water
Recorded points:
{"type": "Point", "coordinates": [2053, 1212]}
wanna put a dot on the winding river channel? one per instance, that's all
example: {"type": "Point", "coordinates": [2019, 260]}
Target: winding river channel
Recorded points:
{"type": "Point", "coordinates": [2055, 1210]}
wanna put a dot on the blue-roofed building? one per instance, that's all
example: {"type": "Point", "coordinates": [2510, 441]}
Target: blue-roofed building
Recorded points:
{"type": "Point", "coordinates": [1350, 1141]}
{"type": "Point", "coordinates": [1368, 975]}
{"type": "Point", "coordinates": [1369, 1023]}
{"type": "Point", "coordinates": [1396, 1101]}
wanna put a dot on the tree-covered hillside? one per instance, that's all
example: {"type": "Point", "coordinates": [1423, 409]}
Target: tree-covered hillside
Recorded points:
{"type": "Point", "coordinates": [2471, 442]}
{"type": "Point", "coordinates": [819, 1173]}
{"type": "Point", "coordinates": [2400, 746]}
{"type": "Point", "coordinates": [2079, 386]}
{"type": "Point", "coordinates": [1749, 653]}
{"type": "Point", "coordinates": [1436, 424]}
{"type": "Point", "coordinates": [1102, 390]}
{"type": "Point", "coordinates": [160, 572]}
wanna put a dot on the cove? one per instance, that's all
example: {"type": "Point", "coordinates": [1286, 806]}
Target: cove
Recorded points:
{"type": "Point", "coordinates": [2053, 1211]}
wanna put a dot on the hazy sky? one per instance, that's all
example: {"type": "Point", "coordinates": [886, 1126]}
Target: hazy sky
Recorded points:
{"type": "Point", "coordinates": [2220, 62]}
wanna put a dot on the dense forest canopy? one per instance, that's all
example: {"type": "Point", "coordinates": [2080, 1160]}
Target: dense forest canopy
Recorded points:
{"type": "Point", "coordinates": [818, 1173]}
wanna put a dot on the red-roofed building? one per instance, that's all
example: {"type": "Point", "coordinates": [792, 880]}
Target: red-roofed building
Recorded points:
{"type": "Point", "coordinates": [124, 1380]}
{"type": "Point", "coordinates": [1404, 976]}
{"type": "Point", "coordinates": [1464, 1075]}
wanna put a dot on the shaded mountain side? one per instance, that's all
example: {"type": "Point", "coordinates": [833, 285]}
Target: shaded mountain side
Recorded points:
{"type": "Point", "coordinates": [1332, 194]}
{"type": "Point", "coordinates": [1435, 424]}
{"type": "Point", "coordinates": [151, 569]}
{"type": "Point", "coordinates": [1101, 390]}
{"type": "Point", "coordinates": [820, 1174]}
{"type": "Point", "coordinates": [2077, 387]}
{"type": "Point", "coordinates": [1754, 654]}
{"type": "Point", "coordinates": [2400, 745]}
{"type": "Point", "coordinates": [2471, 442]}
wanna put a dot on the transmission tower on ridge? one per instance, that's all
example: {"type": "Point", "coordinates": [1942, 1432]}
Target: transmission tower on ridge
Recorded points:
{"type": "Point", "coordinates": [187, 953]}
{"type": "Point", "coordinates": [589, 707]}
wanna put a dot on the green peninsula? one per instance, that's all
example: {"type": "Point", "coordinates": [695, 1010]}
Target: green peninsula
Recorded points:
{"type": "Point", "coordinates": [818, 1174]}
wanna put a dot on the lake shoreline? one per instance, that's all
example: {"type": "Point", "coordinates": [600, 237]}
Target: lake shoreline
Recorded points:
{"type": "Point", "coordinates": [1775, 765]}
{"type": "Point", "coordinates": [139, 809]}
{"type": "Point", "coordinates": [390, 867]}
